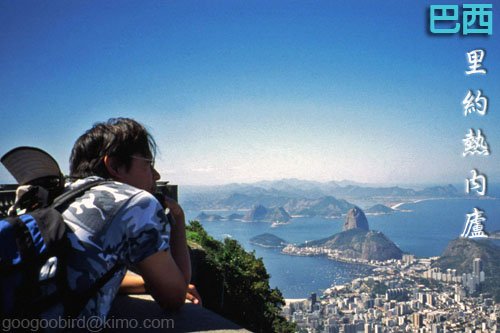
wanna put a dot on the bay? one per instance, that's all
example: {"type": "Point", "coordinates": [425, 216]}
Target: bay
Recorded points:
{"type": "Point", "coordinates": [424, 229]}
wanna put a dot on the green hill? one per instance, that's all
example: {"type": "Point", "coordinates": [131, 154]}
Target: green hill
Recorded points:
{"type": "Point", "coordinates": [460, 253]}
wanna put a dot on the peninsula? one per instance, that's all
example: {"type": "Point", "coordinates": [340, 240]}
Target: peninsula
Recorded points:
{"type": "Point", "coordinates": [356, 243]}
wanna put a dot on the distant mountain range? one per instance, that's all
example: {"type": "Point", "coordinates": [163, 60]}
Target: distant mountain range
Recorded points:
{"type": "Point", "coordinates": [209, 217]}
{"type": "Point", "coordinates": [258, 213]}
{"type": "Point", "coordinates": [328, 207]}
{"type": "Point", "coordinates": [300, 197]}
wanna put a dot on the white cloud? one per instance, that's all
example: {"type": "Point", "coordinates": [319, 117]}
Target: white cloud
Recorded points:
{"type": "Point", "coordinates": [207, 169]}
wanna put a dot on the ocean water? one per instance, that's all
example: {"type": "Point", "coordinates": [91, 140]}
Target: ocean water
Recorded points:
{"type": "Point", "coordinates": [423, 228]}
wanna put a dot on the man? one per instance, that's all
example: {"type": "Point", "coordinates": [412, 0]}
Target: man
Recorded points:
{"type": "Point", "coordinates": [121, 223]}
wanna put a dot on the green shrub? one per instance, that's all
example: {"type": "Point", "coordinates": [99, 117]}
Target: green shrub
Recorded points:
{"type": "Point", "coordinates": [234, 283]}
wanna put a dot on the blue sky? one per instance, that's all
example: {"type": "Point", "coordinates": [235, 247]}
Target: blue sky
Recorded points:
{"type": "Point", "coordinates": [240, 91]}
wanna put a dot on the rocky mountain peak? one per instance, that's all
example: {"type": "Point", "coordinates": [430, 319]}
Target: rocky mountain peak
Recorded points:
{"type": "Point", "coordinates": [355, 219]}
{"type": "Point", "coordinates": [261, 213]}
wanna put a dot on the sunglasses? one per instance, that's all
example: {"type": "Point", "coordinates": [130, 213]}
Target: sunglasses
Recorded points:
{"type": "Point", "coordinates": [151, 161]}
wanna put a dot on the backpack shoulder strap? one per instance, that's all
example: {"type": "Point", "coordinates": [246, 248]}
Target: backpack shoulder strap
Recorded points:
{"type": "Point", "coordinates": [77, 301]}
{"type": "Point", "coordinates": [67, 197]}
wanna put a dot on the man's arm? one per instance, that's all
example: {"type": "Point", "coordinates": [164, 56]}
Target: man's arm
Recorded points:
{"type": "Point", "coordinates": [164, 279]}
{"type": "Point", "coordinates": [134, 284]}
{"type": "Point", "coordinates": [166, 273]}
{"type": "Point", "coordinates": [178, 243]}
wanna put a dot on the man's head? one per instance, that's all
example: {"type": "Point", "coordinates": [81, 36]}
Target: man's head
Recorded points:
{"type": "Point", "coordinates": [120, 149]}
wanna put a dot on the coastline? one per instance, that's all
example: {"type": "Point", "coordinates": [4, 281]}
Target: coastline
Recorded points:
{"type": "Point", "coordinates": [334, 255]}
{"type": "Point", "coordinates": [399, 204]}
{"type": "Point", "coordinates": [396, 206]}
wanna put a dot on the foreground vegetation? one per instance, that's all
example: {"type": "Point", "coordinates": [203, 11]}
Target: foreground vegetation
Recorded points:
{"type": "Point", "coordinates": [234, 283]}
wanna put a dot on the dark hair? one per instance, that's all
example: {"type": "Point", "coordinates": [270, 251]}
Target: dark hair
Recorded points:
{"type": "Point", "coordinates": [118, 137]}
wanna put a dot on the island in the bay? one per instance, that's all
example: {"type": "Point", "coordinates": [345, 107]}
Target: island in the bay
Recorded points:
{"type": "Point", "coordinates": [268, 240]}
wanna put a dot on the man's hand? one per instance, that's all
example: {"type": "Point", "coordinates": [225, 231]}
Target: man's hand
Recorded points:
{"type": "Point", "coordinates": [193, 295]}
{"type": "Point", "coordinates": [174, 207]}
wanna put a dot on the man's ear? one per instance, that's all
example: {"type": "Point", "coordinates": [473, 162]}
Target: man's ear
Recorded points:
{"type": "Point", "coordinates": [113, 167]}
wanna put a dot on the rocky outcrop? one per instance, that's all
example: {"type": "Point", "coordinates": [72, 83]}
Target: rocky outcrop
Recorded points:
{"type": "Point", "coordinates": [361, 244]}
{"type": "Point", "coordinates": [355, 219]}
{"type": "Point", "coordinates": [356, 241]}
{"type": "Point", "coordinates": [208, 217]}
{"type": "Point", "coordinates": [262, 214]}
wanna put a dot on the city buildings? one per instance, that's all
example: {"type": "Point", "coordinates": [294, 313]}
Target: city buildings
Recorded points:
{"type": "Point", "coordinates": [407, 295]}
